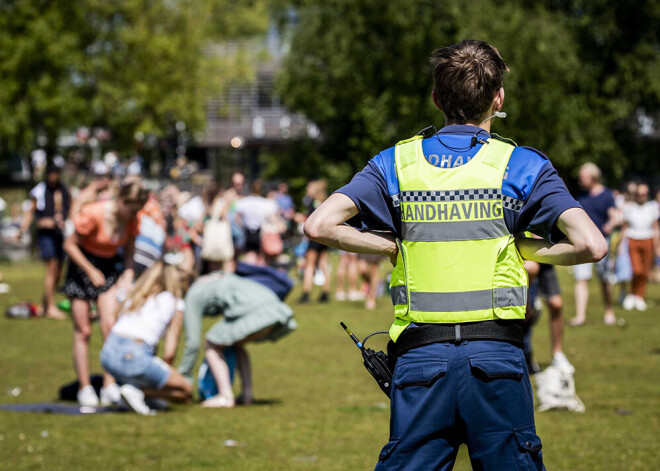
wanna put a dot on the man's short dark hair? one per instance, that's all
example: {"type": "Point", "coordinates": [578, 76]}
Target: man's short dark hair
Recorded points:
{"type": "Point", "coordinates": [465, 78]}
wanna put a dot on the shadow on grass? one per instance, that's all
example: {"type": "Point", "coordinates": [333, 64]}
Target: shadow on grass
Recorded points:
{"type": "Point", "coordinates": [262, 402]}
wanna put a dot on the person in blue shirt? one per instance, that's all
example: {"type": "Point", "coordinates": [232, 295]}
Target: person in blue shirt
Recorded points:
{"type": "Point", "coordinates": [433, 410]}
{"type": "Point", "coordinates": [598, 202]}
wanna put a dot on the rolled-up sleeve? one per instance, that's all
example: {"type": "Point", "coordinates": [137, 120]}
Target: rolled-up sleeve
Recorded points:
{"type": "Point", "coordinates": [548, 199]}
{"type": "Point", "coordinates": [368, 190]}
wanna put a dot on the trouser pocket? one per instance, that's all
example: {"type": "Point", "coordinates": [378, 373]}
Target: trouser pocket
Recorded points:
{"type": "Point", "coordinates": [419, 373]}
{"type": "Point", "coordinates": [529, 449]}
{"type": "Point", "coordinates": [388, 449]}
{"type": "Point", "coordinates": [490, 367]}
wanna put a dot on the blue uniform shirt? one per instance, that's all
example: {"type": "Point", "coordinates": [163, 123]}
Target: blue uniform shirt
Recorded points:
{"type": "Point", "coordinates": [535, 192]}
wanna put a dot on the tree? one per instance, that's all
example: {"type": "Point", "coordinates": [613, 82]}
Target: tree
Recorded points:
{"type": "Point", "coordinates": [619, 47]}
{"type": "Point", "coordinates": [361, 74]}
{"type": "Point", "coordinates": [129, 65]}
{"type": "Point", "coordinates": [37, 46]}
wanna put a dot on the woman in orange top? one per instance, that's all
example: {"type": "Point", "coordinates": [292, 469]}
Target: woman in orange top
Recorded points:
{"type": "Point", "coordinates": [102, 228]}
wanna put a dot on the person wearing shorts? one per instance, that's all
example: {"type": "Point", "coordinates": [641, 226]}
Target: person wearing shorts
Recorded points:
{"type": "Point", "coordinates": [545, 285]}
{"type": "Point", "coordinates": [253, 212]}
{"type": "Point", "coordinates": [50, 205]}
{"type": "Point", "coordinates": [598, 203]}
{"type": "Point", "coordinates": [316, 256]}
{"type": "Point", "coordinates": [128, 353]}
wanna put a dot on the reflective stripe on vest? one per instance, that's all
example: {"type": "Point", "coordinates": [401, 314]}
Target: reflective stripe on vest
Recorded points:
{"type": "Point", "coordinates": [453, 231]}
{"type": "Point", "coordinates": [462, 301]}
{"type": "Point", "coordinates": [457, 260]}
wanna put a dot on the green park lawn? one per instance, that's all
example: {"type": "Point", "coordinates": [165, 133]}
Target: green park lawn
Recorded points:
{"type": "Point", "coordinates": [318, 409]}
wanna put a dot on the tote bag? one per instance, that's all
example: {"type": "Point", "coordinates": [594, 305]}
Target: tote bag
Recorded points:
{"type": "Point", "coordinates": [217, 245]}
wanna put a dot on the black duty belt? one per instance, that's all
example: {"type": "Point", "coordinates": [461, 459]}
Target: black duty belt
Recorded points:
{"type": "Point", "coordinates": [501, 330]}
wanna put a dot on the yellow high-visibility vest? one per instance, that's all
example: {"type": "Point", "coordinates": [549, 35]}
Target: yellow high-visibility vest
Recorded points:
{"type": "Point", "coordinates": [457, 260]}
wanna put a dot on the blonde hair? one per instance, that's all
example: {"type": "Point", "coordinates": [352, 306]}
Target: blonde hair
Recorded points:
{"type": "Point", "coordinates": [158, 278]}
{"type": "Point", "coordinates": [132, 191]}
{"type": "Point", "coordinates": [593, 170]}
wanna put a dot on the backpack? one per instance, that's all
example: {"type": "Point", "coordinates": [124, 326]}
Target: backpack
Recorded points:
{"type": "Point", "coordinates": [206, 385]}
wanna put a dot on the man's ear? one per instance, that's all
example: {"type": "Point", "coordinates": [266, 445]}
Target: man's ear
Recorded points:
{"type": "Point", "coordinates": [436, 100]}
{"type": "Point", "coordinates": [498, 100]}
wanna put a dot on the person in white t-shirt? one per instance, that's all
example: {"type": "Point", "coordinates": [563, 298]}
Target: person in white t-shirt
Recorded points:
{"type": "Point", "coordinates": [253, 212]}
{"type": "Point", "coordinates": [153, 310]}
{"type": "Point", "coordinates": [640, 227]}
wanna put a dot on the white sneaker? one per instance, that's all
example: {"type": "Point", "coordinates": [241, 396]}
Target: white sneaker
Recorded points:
{"type": "Point", "coordinates": [560, 361]}
{"type": "Point", "coordinates": [110, 395]}
{"type": "Point", "coordinates": [319, 278]}
{"type": "Point", "coordinates": [640, 304]}
{"type": "Point", "coordinates": [134, 399]}
{"type": "Point", "coordinates": [87, 397]}
{"type": "Point", "coordinates": [356, 296]}
{"type": "Point", "coordinates": [629, 302]}
{"type": "Point", "coordinates": [340, 296]}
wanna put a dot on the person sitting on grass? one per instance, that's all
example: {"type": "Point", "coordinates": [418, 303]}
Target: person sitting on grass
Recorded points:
{"type": "Point", "coordinates": [252, 312]}
{"type": "Point", "coordinates": [153, 310]}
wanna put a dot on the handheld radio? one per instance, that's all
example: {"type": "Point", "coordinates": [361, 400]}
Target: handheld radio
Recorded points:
{"type": "Point", "coordinates": [377, 363]}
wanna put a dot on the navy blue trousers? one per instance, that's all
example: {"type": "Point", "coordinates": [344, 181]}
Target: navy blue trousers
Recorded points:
{"type": "Point", "coordinates": [477, 393]}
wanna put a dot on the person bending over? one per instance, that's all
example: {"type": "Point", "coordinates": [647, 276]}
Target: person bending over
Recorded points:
{"type": "Point", "coordinates": [251, 312]}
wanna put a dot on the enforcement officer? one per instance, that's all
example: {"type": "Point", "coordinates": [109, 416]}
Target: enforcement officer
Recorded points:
{"type": "Point", "coordinates": [452, 202]}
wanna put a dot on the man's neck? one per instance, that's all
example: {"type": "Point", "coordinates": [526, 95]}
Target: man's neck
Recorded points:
{"type": "Point", "coordinates": [479, 124]}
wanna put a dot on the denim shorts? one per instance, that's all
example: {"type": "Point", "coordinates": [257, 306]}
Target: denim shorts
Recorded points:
{"type": "Point", "coordinates": [133, 362]}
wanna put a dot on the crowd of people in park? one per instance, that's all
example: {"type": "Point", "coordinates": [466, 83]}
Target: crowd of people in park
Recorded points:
{"type": "Point", "coordinates": [149, 263]}
{"type": "Point", "coordinates": [628, 218]}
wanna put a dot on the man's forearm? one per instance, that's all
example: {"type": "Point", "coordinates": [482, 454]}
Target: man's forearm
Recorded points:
{"type": "Point", "coordinates": [351, 240]}
{"type": "Point", "coordinates": [584, 243]}
{"type": "Point", "coordinates": [326, 225]}
{"type": "Point", "coordinates": [561, 253]}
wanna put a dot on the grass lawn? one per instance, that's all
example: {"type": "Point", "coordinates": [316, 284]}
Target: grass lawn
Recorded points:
{"type": "Point", "coordinates": [319, 408]}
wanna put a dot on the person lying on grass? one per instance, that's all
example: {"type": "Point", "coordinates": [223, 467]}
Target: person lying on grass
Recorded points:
{"type": "Point", "coordinates": [251, 312]}
{"type": "Point", "coordinates": [153, 310]}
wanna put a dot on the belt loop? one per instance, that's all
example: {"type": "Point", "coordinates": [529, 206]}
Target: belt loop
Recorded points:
{"type": "Point", "coordinates": [457, 332]}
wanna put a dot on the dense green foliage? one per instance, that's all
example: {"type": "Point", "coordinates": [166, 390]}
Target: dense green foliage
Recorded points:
{"type": "Point", "coordinates": [129, 65]}
{"type": "Point", "coordinates": [320, 409]}
{"type": "Point", "coordinates": [580, 72]}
